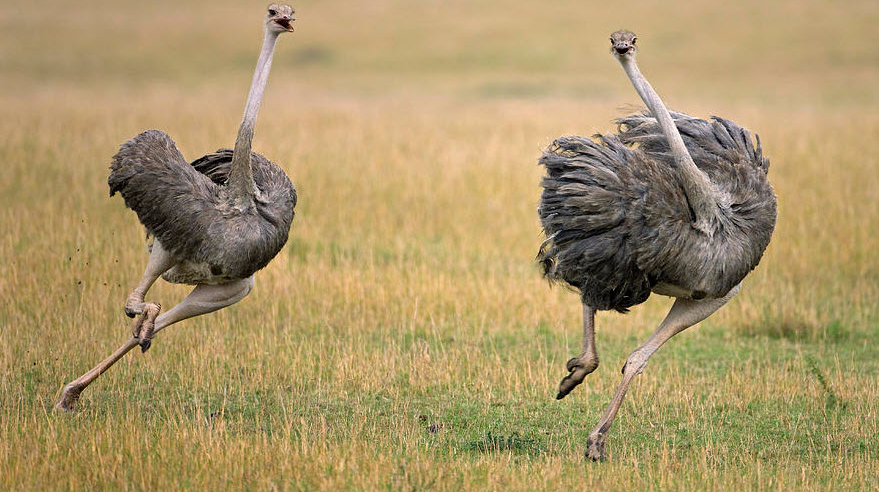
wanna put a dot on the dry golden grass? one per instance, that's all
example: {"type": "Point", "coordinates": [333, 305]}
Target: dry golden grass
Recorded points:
{"type": "Point", "coordinates": [404, 338]}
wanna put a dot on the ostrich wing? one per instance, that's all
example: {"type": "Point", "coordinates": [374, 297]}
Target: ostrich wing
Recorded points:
{"type": "Point", "coordinates": [176, 203]}
{"type": "Point", "coordinates": [706, 141]}
{"type": "Point", "coordinates": [215, 165]}
{"type": "Point", "coordinates": [589, 209]}
{"type": "Point", "coordinates": [277, 191]}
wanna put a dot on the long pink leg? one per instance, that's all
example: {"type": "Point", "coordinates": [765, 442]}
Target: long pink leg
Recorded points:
{"type": "Point", "coordinates": [581, 366]}
{"type": "Point", "coordinates": [683, 314]}
{"type": "Point", "coordinates": [206, 298]}
{"type": "Point", "coordinates": [203, 299]}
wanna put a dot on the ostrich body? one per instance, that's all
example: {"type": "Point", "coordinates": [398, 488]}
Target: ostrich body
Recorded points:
{"type": "Point", "coordinates": [213, 239]}
{"type": "Point", "coordinates": [672, 205]}
{"type": "Point", "coordinates": [215, 222]}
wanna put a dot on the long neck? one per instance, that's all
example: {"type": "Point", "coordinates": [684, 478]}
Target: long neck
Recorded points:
{"type": "Point", "coordinates": [241, 173]}
{"type": "Point", "coordinates": [697, 187]}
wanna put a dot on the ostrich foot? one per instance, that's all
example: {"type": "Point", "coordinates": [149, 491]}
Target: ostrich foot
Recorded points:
{"type": "Point", "coordinates": [134, 305]}
{"type": "Point", "coordinates": [595, 447]}
{"type": "Point", "coordinates": [145, 326]}
{"type": "Point", "coordinates": [69, 397]}
{"type": "Point", "coordinates": [578, 368]}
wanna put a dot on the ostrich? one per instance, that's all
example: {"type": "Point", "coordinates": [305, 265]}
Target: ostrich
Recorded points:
{"type": "Point", "coordinates": [214, 222]}
{"type": "Point", "coordinates": [672, 204]}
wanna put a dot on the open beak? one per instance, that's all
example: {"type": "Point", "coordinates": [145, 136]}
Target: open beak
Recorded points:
{"type": "Point", "coordinates": [286, 23]}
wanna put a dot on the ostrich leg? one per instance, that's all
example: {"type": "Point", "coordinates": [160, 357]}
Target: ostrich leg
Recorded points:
{"type": "Point", "coordinates": [160, 261]}
{"type": "Point", "coordinates": [70, 393]}
{"type": "Point", "coordinates": [202, 300]}
{"type": "Point", "coordinates": [206, 298]}
{"type": "Point", "coordinates": [683, 314]}
{"type": "Point", "coordinates": [581, 366]}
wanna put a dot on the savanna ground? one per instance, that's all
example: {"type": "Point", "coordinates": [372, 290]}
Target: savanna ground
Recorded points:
{"type": "Point", "coordinates": [404, 339]}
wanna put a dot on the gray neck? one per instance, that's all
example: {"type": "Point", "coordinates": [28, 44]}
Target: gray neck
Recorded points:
{"type": "Point", "coordinates": [697, 187]}
{"type": "Point", "coordinates": [241, 173]}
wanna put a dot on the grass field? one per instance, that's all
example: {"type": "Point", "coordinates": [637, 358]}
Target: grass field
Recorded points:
{"type": "Point", "coordinates": [404, 338]}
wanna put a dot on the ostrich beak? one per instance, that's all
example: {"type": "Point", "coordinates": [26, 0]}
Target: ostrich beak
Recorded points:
{"type": "Point", "coordinates": [286, 23]}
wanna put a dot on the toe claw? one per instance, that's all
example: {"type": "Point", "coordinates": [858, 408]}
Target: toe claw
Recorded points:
{"type": "Point", "coordinates": [144, 335]}
{"type": "Point", "coordinates": [567, 385]}
{"type": "Point", "coordinates": [145, 326]}
{"type": "Point", "coordinates": [570, 382]}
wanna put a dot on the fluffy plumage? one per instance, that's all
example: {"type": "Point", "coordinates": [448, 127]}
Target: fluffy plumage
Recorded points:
{"type": "Point", "coordinates": [188, 209]}
{"type": "Point", "coordinates": [618, 223]}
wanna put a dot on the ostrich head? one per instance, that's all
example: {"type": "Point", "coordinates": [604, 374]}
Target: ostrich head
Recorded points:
{"type": "Point", "coordinates": [279, 18]}
{"type": "Point", "coordinates": [622, 43]}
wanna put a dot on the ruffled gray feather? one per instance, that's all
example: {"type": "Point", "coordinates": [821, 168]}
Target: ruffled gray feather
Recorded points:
{"type": "Point", "coordinates": [189, 210]}
{"type": "Point", "coordinates": [618, 223]}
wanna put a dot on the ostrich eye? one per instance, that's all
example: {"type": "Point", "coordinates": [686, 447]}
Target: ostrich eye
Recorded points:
{"type": "Point", "coordinates": [273, 12]}
{"type": "Point", "coordinates": [633, 40]}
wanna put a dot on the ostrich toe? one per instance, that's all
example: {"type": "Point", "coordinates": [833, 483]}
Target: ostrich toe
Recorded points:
{"type": "Point", "coordinates": [69, 397]}
{"type": "Point", "coordinates": [134, 305]}
{"type": "Point", "coordinates": [595, 448]}
{"type": "Point", "coordinates": [578, 368]}
{"type": "Point", "coordinates": [145, 326]}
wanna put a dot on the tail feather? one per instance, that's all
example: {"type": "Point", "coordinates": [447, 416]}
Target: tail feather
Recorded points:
{"type": "Point", "coordinates": [583, 210]}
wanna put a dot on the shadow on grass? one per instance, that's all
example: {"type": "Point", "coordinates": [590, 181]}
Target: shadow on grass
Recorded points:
{"type": "Point", "coordinates": [800, 330]}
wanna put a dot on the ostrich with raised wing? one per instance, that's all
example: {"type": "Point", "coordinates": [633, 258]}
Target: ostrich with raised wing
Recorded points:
{"type": "Point", "coordinates": [214, 222]}
{"type": "Point", "coordinates": [672, 205]}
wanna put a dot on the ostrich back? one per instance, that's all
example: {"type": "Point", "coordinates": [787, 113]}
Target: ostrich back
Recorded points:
{"type": "Point", "coordinates": [618, 223]}
{"type": "Point", "coordinates": [190, 211]}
